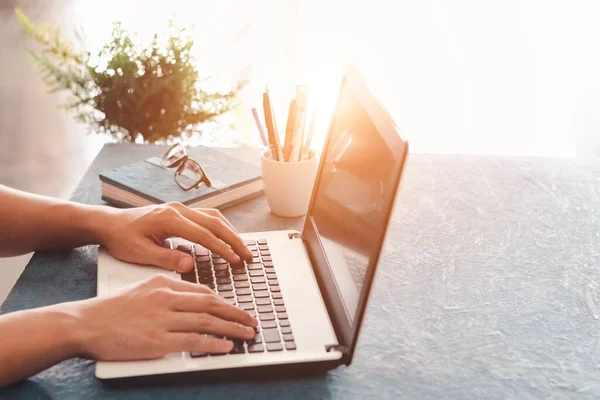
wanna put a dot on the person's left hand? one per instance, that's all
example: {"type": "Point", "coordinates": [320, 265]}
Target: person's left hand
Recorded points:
{"type": "Point", "coordinates": [136, 234]}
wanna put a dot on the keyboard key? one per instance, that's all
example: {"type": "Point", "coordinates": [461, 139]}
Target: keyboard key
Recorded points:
{"type": "Point", "coordinates": [275, 289]}
{"type": "Point", "coordinates": [255, 260]}
{"type": "Point", "coordinates": [259, 286]}
{"type": "Point", "coordinates": [257, 339]}
{"type": "Point", "coordinates": [255, 348]}
{"type": "Point", "coordinates": [269, 270]}
{"type": "Point", "coordinates": [271, 335]}
{"type": "Point", "coordinates": [186, 248]}
{"type": "Point", "coordinates": [261, 241]}
{"type": "Point", "coordinates": [217, 354]}
{"type": "Point", "coordinates": [282, 316]}
{"type": "Point", "coordinates": [268, 324]}
{"type": "Point", "coordinates": [238, 347]}
{"type": "Point", "coordinates": [189, 276]}
{"type": "Point", "coordinates": [280, 309]}
{"type": "Point", "coordinates": [288, 337]}
{"type": "Point", "coordinates": [265, 253]}
{"type": "Point", "coordinates": [219, 261]}
{"type": "Point", "coordinates": [274, 346]}
{"type": "Point", "coordinates": [290, 346]}
{"type": "Point", "coordinates": [226, 294]}
{"type": "Point", "coordinates": [240, 277]}
{"type": "Point", "coordinates": [215, 256]}
{"type": "Point", "coordinates": [243, 291]}
{"type": "Point", "coordinates": [224, 287]}
{"type": "Point", "coordinates": [257, 279]}
{"type": "Point", "coordinates": [255, 254]}
{"type": "Point", "coordinates": [261, 294]}
{"type": "Point", "coordinates": [238, 265]}
{"type": "Point", "coordinates": [254, 266]}
{"type": "Point", "coordinates": [285, 330]}
{"type": "Point", "coordinates": [256, 273]}
{"type": "Point", "coordinates": [241, 284]}
{"type": "Point", "coordinates": [205, 280]}
{"type": "Point", "coordinates": [264, 309]}
{"type": "Point", "coordinates": [278, 302]}
{"type": "Point", "coordinates": [222, 274]}
{"type": "Point", "coordinates": [204, 266]}
{"type": "Point", "coordinates": [249, 242]}
{"type": "Point", "coordinates": [230, 301]}
{"type": "Point", "coordinates": [247, 306]}
{"type": "Point", "coordinates": [238, 271]}
{"type": "Point", "coordinates": [284, 323]}
{"type": "Point", "coordinates": [263, 301]}
{"type": "Point", "coordinates": [202, 258]}
{"type": "Point", "coordinates": [210, 285]}
{"type": "Point", "coordinates": [267, 317]}
{"type": "Point", "coordinates": [267, 258]}
{"type": "Point", "coordinates": [268, 264]}
{"type": "Point", "coordinates": [221, 267]}
{"type": "Point", "coordinates": [273, 282]}
{"type": "Point", "coordinates": [276, 296]}
{"type": "Point", "coordinates": [263, 247]}
{"type": "Point", "coordinates": [223, 281]}
{"type": "Point", "coordinates": [204, 273]}
{"type": "Point", "coordinates": [196, 354]}
{"type": "Point", "coordinates": [271, 276]}
{"type": "Point", "coordinates": [200, 251]}
{"type": "Point", "coordinates": [252, 313]}
{"type": "Point", "coordinates": [245, 299]}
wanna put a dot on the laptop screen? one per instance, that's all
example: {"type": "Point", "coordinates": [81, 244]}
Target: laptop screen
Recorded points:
{"type": "Point", "coordinates": [353, 197]}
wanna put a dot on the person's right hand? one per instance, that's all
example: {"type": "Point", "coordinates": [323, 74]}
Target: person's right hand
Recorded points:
{"type": "Point", "coordinates": [155, 317]}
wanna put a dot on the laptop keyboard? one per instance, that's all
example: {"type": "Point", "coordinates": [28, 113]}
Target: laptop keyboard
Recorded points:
{"type": "Point", "coordinates": [251, 285]}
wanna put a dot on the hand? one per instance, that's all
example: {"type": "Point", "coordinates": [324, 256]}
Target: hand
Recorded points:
{"type": "Point", "coordinates": [155, 317]}
{"type": "Point", "coordinates": [136, 235]}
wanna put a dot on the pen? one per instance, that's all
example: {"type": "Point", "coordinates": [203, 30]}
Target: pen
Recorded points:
{"type": "Point", "coordinates": [290, 131]}
{"type": "Point", "coordinates": [272, 127]}
{"type": "Point", "coordinates": [261, 129]}
{"type": "Point", "coordinates": [298, 138]}
{"type": "Point", "coordinates": [306, 149]}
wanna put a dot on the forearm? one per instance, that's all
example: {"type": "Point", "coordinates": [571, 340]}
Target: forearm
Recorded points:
{"type": "Point", "coordinates": [30, 222]}
{"type": "Point", "coordinates": [33, 340]}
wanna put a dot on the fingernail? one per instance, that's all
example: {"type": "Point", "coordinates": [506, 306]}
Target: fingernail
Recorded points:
{"type": "Point", "coordinates": [186, 264]}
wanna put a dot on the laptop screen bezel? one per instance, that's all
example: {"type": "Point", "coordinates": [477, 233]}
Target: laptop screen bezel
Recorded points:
{"type": "Point", "coordinates": [347, 330]}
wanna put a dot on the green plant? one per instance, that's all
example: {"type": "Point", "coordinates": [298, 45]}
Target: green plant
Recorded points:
{"type": "Point", "coordinates": [129, 91]}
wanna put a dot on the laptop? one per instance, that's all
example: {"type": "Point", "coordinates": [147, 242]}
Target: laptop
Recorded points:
{"type": "Point", "coordinates": [308, 289]}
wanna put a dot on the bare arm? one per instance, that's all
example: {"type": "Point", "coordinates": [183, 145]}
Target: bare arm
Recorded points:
{"type": "Point", "coordinates": [30, 222]}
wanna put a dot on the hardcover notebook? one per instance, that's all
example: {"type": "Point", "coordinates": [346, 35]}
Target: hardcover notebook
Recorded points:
{"type": "Point", "coordinates": [147, 182]}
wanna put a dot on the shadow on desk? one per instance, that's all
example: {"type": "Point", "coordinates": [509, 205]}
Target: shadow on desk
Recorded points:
{"type": "Point", "coordinates": [289, 382]}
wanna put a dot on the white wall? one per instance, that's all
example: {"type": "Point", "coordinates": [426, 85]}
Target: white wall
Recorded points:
{"type": "Point", "coordinates": [507, 77]}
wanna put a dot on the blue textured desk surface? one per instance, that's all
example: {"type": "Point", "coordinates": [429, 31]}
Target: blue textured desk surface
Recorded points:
{"type": "Point", "coordinates": [488, 289]}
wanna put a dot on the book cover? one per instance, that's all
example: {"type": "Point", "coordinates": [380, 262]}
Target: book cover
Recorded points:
{"type": "Point", "coordinates": [149, 180]}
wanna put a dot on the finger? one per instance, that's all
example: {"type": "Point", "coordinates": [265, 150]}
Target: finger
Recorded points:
{"type": "Point", "coordinates": [184, 286]}
{"type": "Point", "coordinates": [193, 232]}
{"type": "Point", "coordinates": [172, 260]}
{"type": "Point", "coordinates": [212, 304]}
{"type": "Point", "coordinates": [220, 227]}
{"type": "Point", "coordinates": [207, 323]}
{"type": "Point", "coordinates": [179, 342]}
{"type": "Point", "coordinates": [216, 213]}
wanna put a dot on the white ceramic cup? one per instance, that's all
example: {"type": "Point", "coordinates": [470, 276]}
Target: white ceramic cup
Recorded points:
{"type": "Point", "coordinates": [288, 185]}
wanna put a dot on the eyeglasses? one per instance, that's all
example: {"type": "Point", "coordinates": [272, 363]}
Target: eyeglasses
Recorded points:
{"type": "Point", "coordinates": [188, 175]}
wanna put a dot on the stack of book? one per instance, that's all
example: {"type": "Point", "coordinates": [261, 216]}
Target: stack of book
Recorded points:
{"type": "Point", "coordinates": [148, 182]}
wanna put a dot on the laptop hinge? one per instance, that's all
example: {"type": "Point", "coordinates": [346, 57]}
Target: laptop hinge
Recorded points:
{"type": "Point", "coordinates": [334, 347]}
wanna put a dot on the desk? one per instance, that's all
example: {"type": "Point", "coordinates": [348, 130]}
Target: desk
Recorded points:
{"type": "Point", "coordinates": [488, 289]}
